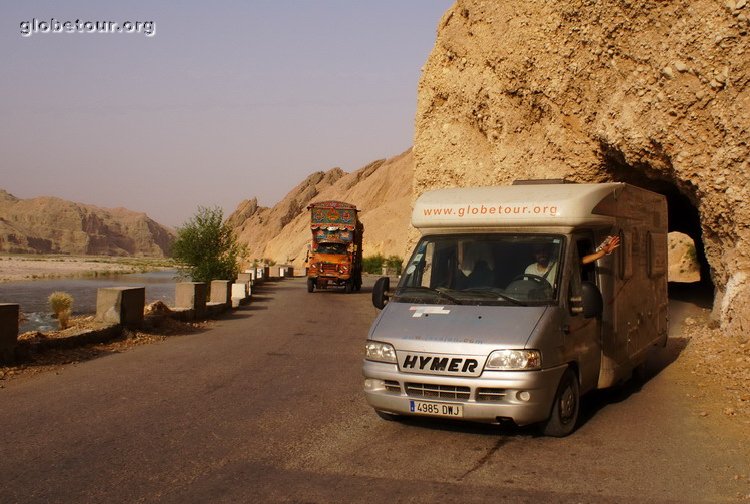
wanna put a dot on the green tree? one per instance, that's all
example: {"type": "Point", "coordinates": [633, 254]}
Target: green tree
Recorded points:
{"type": "Point", "coordinates": [206, 248]}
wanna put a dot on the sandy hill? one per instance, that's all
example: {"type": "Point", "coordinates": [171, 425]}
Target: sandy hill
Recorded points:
{"type": "Point", "coordinates": [48, 225]}
{"type": "Point", "coordinates": [381, 190]}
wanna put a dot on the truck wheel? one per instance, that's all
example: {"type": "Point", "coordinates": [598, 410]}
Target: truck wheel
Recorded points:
{"type": "Point", "coordinates": [565, 407]}
{"type": "Point", "coordinates": [310, 285]}
{"type": "Point", "coordinates": [358, 284]}
{"type": "Point", "coordinates": [349, 286]}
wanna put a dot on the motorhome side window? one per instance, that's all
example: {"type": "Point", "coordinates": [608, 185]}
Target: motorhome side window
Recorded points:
{"type": "Point", "coordinates": [495, 268]}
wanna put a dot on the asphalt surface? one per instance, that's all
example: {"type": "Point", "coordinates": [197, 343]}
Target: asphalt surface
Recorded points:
{"type": "Point", "coordinates": [266, 406]}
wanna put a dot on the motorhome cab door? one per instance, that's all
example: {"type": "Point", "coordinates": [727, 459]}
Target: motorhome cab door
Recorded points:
{"type": "Point", "coordinates": [582, 336]}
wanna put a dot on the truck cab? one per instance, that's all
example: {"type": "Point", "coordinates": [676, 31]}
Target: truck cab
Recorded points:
{"type": "Point", "coordinates": [335, 253]}
{"type": "Point", "coordinates": [497, 319]}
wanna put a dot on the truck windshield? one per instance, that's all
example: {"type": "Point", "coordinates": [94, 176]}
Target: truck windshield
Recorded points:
{"type": "Point", "coordinates": [331, 248]}
{"type": "Point", "coordinates": [494, 269]}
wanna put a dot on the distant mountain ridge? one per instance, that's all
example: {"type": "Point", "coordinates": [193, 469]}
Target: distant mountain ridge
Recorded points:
{"type": "Point", "coordinates": [50, 225]}
{"type": "Point", "coordinates": [381, 190]}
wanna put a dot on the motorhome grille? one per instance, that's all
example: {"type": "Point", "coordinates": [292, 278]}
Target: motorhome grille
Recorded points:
{"type": "Point", "coordinates": [392, 387]}
{"type": "Point", "coordinates": [491, 394]}
{"type": "Point", "coordinates": [437, 391]}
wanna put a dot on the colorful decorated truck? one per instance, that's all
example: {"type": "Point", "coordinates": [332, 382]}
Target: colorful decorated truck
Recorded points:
{"type": "Point", "coordinates": [335, 254]}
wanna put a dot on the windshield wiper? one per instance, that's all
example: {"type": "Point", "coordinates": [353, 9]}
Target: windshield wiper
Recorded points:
{"type": "Point", "coordinates": [440, 291]}
{"type": "Point", "coordinates": [495, 294]}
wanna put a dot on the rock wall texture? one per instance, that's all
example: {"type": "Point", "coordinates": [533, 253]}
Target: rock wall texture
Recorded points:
{"type": "Point", "coordinates": [382, 191]}
{"type": "Point", "coordinates": [48, 225]}
{"type": "Point", "coordinates": [652, 93]}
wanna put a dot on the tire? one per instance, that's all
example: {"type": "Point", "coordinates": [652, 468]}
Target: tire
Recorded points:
{"type": "Point", "coordinates": [389, 417]}
{"type": "Point", "coordinates": [349, 286]}
{"type": "Point", "coordinates": [565, 408]}
{"type": "Point", "coordinates": [310, 285]}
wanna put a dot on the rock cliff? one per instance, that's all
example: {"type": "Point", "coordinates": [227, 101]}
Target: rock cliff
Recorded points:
{"type": "Point", "coordinates": [381, 190]}
{"type": "Point", "coordinates": [652, 93]}
{"type": "Point", "coordinates": [48, 225]}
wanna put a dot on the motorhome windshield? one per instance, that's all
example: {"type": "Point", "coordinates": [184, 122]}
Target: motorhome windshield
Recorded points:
{"type": "Point", "coordinates": [495, 269]}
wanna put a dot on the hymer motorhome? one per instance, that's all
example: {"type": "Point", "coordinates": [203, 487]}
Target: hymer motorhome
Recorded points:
{"type": "Point", "coordinates": [475, 331]}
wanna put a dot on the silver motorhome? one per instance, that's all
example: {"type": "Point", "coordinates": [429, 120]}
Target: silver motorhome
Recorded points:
{"type": "Point", "coordinates": [471, 333]}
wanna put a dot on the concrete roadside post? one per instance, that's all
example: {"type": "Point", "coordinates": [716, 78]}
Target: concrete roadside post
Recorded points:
{"type": "Point", "coordinates": [191, 296]}
{"type": "Point", "coordinates": [121, 305]}
{"type": "Point", "coordinates": [239, 294]}
{"type": "Point", "coordinates": [8, 331]}
{"type": "Point", "coordinates": [221, 292]}
{"type": "Point", "coordinates": [219, 297]}
{"type": "Point", "coordinates": [247, 279]}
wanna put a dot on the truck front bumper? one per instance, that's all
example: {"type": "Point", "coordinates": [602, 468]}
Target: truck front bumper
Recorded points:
{"type": "Point", "coordinates": [525, 397]}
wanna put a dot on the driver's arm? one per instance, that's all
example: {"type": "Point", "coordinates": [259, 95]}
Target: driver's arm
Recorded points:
{"type": "Point", "coordinates": [606, 248]}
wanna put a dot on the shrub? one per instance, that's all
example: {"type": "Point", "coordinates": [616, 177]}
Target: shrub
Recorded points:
{"type": "Point", "coordinates": [394, 263]}
{"type": "Point", "coordinates": [207, 248]}
{"type": "Point", "coordinates": [373, 264]}
{"type": "Point", "coordinates": [61, 304]}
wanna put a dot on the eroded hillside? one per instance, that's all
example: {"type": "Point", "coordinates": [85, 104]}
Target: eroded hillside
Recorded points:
{"type": "Point", "coordinates": [48, 225]}
{"type": "Point", "coordinates": [382, 191]}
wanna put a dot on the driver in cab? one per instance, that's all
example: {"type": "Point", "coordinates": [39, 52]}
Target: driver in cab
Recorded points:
{"type": "Point", "coordinates": [543, 266]}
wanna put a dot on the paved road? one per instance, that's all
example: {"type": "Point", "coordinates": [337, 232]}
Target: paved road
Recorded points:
{"type": "Point", "coordinates": [266, 407]}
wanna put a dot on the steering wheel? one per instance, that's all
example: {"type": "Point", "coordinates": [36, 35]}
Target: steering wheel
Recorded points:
{"type": "Point", "coordinates": [534, 278]}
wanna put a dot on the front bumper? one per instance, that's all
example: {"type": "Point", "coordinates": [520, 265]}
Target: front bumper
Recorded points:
{"type": "Point", "coordinates": [493, 397]}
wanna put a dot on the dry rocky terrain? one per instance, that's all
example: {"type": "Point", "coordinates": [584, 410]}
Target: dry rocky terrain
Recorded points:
{"type": "Point", "coordinates": [48, 225]}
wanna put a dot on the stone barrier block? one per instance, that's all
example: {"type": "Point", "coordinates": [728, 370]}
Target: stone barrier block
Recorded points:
{"type": "Point", "coordinates": [8, 331]}
{"type": "Point", "coordinates": [121, 305]}
{"type": "Point", "coordinates": [191, 295]}
{"type": "Point", "coordinates": [221, 292]}
{"type": "Point", "coordinates": [244, 278]}
{"type": "Point", "coordinates": [239, 294]}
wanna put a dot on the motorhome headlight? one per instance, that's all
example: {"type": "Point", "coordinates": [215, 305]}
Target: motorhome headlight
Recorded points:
{"type": "Point", "coordinates": [514, 360]}
{"type": "Point", "coordinates": [381, 352]}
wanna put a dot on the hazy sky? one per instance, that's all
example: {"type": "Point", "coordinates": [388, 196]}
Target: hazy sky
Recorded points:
{"type": "Point", "coordinates": [226, 100]}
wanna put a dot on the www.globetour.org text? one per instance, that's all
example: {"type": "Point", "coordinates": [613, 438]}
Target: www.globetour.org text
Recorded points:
{"type": "Point", "coordinates": [498, 209]}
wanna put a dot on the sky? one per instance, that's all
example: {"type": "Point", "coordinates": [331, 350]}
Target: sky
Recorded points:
{"type": "Point", "coordinates": [203, 103]}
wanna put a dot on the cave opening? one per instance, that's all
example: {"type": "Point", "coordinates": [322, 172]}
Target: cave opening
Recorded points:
{"type": "Point", "coordinates": [683, 216]}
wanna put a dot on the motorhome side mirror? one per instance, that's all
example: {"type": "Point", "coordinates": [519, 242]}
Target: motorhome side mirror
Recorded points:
{"type": "Point", "coordinates": [593, 303]}
{"type": "Point", "coordinates": [380, 292]}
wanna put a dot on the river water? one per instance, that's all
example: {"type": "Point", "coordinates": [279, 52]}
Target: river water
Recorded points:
{"type": "Point", "coordinates": [32, 296]}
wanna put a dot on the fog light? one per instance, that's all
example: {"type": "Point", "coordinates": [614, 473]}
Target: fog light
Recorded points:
{"type": "Point", "coordinates": [371, 384]}
{"type": "Point", "coordinates": [524, 396]}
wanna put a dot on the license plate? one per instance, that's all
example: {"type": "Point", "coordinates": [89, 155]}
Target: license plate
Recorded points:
{"type": "Point", "coordinates": [436, 409]}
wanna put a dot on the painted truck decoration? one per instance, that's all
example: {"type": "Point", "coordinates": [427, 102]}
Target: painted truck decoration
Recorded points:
{"type": "Point", "coordinates": [472, 332]}
{"type": "Point", "coordinates": [335, 254]}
